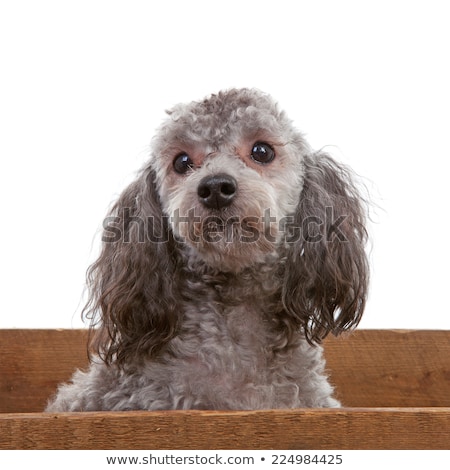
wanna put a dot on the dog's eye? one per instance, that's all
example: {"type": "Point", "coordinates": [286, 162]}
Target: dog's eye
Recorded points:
{"type": "Point", "coordinates": [182, 163]}
{"type": "Point", "coordinates": [262, 153]}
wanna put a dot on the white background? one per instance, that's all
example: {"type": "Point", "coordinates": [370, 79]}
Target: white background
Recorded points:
{"type": "Point", "coordinates": [83, 85]}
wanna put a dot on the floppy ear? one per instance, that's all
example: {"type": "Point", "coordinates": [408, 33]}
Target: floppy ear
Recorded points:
{"type": "Point", "coordinates": [326, 273]}
{"type": "Point", "coordinates": [131, 301]}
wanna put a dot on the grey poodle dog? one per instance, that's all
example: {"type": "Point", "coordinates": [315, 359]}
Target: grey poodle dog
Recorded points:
{"type": "Point", "coordinates": [235, 251]}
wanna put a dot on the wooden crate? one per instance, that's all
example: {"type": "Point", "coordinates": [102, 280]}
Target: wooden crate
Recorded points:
{"type": "Point", "coordinates": [395, 386]}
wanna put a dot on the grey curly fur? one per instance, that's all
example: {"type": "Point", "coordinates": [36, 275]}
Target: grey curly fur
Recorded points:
{"type": "Point", "coordinates": [197, 306]}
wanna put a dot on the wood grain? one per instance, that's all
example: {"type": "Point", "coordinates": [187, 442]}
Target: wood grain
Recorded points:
{"type": "Point", "coordinates": [370, 368]}
{"type": "Point", "coordinates": [391, 368]}
{"type": "Point", "coordinates": [33, 362]}
{"type": "Point", "coordinates": [409, 428]}
{"type": "Point", "coordinates": [406, 373]}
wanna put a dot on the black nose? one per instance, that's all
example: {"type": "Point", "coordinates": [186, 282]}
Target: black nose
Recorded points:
{"type": "Point", "coordinates": [217, 191]}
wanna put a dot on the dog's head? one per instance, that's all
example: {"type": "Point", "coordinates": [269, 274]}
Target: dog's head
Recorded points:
{"type": "Point", "coordinates": [229, 172]}
{"type": "Point", "coordinates": [231, 184]}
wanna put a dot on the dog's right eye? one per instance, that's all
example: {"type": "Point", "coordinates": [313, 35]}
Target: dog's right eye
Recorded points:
{"type": "Point", "coordinates": [182, 163]}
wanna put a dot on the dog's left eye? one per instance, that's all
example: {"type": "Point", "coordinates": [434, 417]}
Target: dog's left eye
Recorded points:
{"type": "Point", "coordinates": [182, 163]}
{"type": "Point", "coordinates": [262, 153]}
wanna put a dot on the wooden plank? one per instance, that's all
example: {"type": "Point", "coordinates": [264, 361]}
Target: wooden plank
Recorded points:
{"type": "Point", "coordinates": [407, 428]}
{"type": "Point", "coordinates": [370, 368]}
{"type": "Point", "coordinates": [391, 368]}
{"type": "Point", "coordinates": [33, 362]}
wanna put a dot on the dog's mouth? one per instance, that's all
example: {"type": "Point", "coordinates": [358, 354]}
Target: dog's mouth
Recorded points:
{"type": "Point", "coordinates": [214, 228]}
{"type": "Point", "coordinates": [225, 240]}
{"type": "Point", "coordinates": [213, 225]}
{"type": "Point", "coordinates": [221, 217]}
{"type": "Point", "coordinates": [229, 224]}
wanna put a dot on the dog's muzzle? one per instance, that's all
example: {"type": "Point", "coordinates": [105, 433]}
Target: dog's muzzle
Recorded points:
{"type": "Point", "coordinates": [217, 191]}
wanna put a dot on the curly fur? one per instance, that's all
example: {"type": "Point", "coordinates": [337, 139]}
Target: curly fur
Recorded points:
{"type": "Point", "coordinates": [196, 306]}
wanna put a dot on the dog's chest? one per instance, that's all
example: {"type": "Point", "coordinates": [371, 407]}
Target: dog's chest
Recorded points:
{"type": "Point", "coordinates": [224, 347]}
{"type": "Point", "coordinates": [233, 331]}
{"type": "Point", "coordinates": [232, 313]}
{"type": "Point", "coordinates": [224, 358]}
